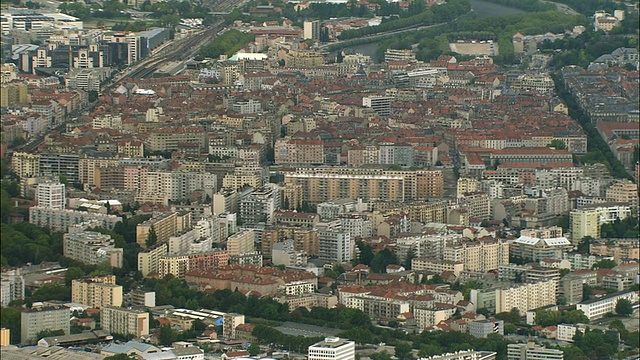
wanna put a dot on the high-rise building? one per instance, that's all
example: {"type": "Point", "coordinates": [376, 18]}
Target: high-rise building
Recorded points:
{"type": "Point", "coordinates": [39, 318]}
{"type": "Point", "coordinates": [149, 259]}
{"type": "Point", "coordinates": [96, 291]}
{"type": "Point", "coordinates": [241, 242]}
{"type": "Point", "coordinates": [117, 320]}
{"type": "Point", "coordinates": [335, 246]}
{"type": "Point", "coordinates": [332, 348]}
{"type": "Point", "coordinates": [588, 220]}
{"type": "Point", "coordinates": [11, 286]}
{"type": "Point", "coordinates": [311, 30]}
{"type": "Point", "coordinates": [51, 195]}
{"type": "Point", "coordinates": [230, 322]}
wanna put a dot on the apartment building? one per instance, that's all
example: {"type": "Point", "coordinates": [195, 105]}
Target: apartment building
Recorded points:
{"type": "Point", "coordinates": [149, 258]}
{"type": "Point", "coordinates": [164, 226]}
{"type": "Point", "coordinates": [357, 225]}
{"type": "Point", "coordinates": [117, 320]}
{"type": "Point", "coordinates": [40, 318]}
{"type": "Point", "coordinates": [482, 328]}
{"type": "Point", "coordinates": [61, 220]}
{"type": "Point", "coordinates": [566, 332]}
{"type": "Point", "coordinates": [11, 286]}
{"type": "Point", "coordinates": [172, 138]}
{"type": "Point", "coordinates": [541, 155]}
{"type": "Point", "coordinates": [588, 220]}
{"type": "Point", "coordinates": [526, 297]}
{"type": "Point", "coordinates": [230, 323]}
{"type": "Point", "coordinates": [242, 242]}
{"type": "Point", "coordinates": [482, 255]}
{"type": "Point", "coordinates": [96, 291]}
{"type": "Point", "coordinates": [335, 246]}
{"type": "Point", "coordinates": [92, 247]}
{"type": "Point", "coordinates": [299, 151]}
{"type": "Point", "coordinates": [437, 266]}
{"type": "Point", "coordinates": [464, 355]}
{"type": "Point", "coordinates": [536, 249]}
{"type": "Point", "coordinates": [477, 204]}
{"type": "Point", "coordinates": [531, 351]}
{"type": "Point", "coordinates": [179, 265]}
{"type": "Point", "coordinates": [260, 205]}
{"type": "Point", "coordinates": [303, 59]}
{"type": "Point", "coordinates": [433, 315]}
{"type": "Point", "coordinates": [599, 307]}
{"type": "Point", "coordinates": [51, 195]}
{"type": "Point", "coordinates": [623, 192]}
{"type": "Point", "coordinates": [25, 165]}
{"type": "Point", "coordinates": [571, 289]}
{"type": "Point", "coordinates": [620, 250]}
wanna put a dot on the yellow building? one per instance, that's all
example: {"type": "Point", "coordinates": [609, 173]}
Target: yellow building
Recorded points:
{"type": "Point", "coordinates": [624, 192]}
{"type": "Point", "coordinates": [526, 297]}
{"type": "Point", "coordinates": [149, 258]}
{"type": "Point", "coordinates": [164, 226]}
{"type": "Point", "coordinates": [25, 165]}
{"type": "Point", "coordinates": [587, 221]}
{"type": "Point", "coordinates": [303, 59]}
{"type": "Point", "coordinates": [241, 243]}
{"type": "Point", "coordinates": [13, 94]}
{"type": "Point", "coordinates": [117, 320]}
{"type": "Point", "coordinates": [5, 337]}
{"type": "Point", "coordinates": [97, 291]}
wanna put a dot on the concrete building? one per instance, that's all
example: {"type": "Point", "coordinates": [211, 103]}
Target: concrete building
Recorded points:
{"type": "Point", "coordinates": [536, 249]}
{"type": "Point", "coordinates": [311, 30]}
{"type": "Point", "coordinates": [123, 321]}
{"type": "Point", "coordinates": [478, 255]}
{"type": "Point", "coordinates": [40, 318]}
{"type": "Point", "coordinates": [464, 355]}
{"type": "Point", "coordinates": [92, 247]}
{"type": "Point", "coordinates": [5, 337]}
{"type": "Point", "coordinates": [61, 220]}
{"type": "Point", "coordinates": [531, 351]}
{"type": "Point", "coordinates": [599, 307]}
{"type": "Point", "coordinates": [566, 332]}
{"type": "Point", "coordinates": [149, 259]}
{"type": "Point", "coordinates": [588, 220]}
{"type": "Point", "coordinates": [164, 226]}
{"type": "Point", "coordinates": [259, 205]}
{"type": "Point", "coordinates": [482, 328]}
{"type": "Point", "coordinates": [11, 286]}
{"type": "Point", "coordinates": [51, 195]}
{"type": "Point", "coordinates": [332, 348]}
{"type": "Point", "coordinates": [97, 291]}
{"type": "Point", "coordinates": [381, 105]}
{"type": "Point", "coordinates": [571, 289]}
{"type": "Point", "coordinates": [230, 323]}
{"type": "Point", "coordinates": [335, 246]}
{"type": "Point", "coordinates": [437, 265]}
{"type": "Point", "coordinates": [242, 242]}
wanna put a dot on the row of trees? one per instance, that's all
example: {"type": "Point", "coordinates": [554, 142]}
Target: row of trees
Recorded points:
{"type": "Point", "coordinates": [228, 43]}
{"type": "Point", "coordinates": [526, 5]}
{"type": "Point", "coordinates": [109, 10]}
{"type": "Point", "coordinates": [433, 15]}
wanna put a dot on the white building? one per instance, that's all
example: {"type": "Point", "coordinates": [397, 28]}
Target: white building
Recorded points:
{"type": "Point", "coordinates": [566, 332]}
{"type": "Point", "coordinates": [332, 348]}
{"type": "Point", "coordinates": [51, 195]}
{"type": "Point", "coordinates": [335, 246]}
{"type": "Point", "coordinates": [597, 308]}
{"type": "Point", "coordinates": [532, 351]}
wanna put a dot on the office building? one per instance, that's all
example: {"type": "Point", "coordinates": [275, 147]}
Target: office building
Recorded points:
{"type": "Point", "coordinates": [123, 321]}
{"type": "Point", "coordinates": [531, 351]}
{"type": "Point", "coordinates": [92, 248]}
{"type": "Point", "coordinates": [332, 348]}
{"type": "Point", "coordinates": [51, 195]}
{"type": "Point", "coordinates": [40, 318]}
{"type": "Point", "coordinates": [96, 291]}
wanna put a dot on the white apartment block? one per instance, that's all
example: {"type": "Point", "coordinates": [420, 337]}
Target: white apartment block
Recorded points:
{"type": "Point", "coordinates": [437, 266]}
{"type": "Point", "coordinates": [532, 351]}
{"type": "Point", "coordinates": [38, 318]}
{"type": "Point", "coordinates": [296, 288]}
{"type": "Point", "coordinates": [335, 246]}
{"type": "Point", "coordinates": [566, 332]}
{"type": "Point", "coordinates": [599, 307]}
{"type": "Point", "coordinates": [97, 291]}
{"type": "Point", "coordinates": [149, 259]}
{"type": "Point", "coordinates": [62, 219]}
{"type": "Point", "coordinates": [332, 348]}
{"type": "Point", "coordinates": [51, 195]}
{"type": "Point", "coordinates": [526, 296]}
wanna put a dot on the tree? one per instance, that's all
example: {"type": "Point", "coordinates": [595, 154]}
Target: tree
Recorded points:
{"type": "Point", "coordinates": [624, 307]}
{"type": "Point", "coordinates": [118, 357]}
{"type": "Point", "coordinates": [152, 238]}
{"type": "Point", "coordinates": [10, 319]}
{"type": "Point", "coordinates": [72, 274]}
{"type": "Point", "coordinates": [604, 264]}
{"type": "Point", "coordinates": [254, 349]}
{"type": "Point", "coordinates": [403, 351]}
{"type": "Point", "coordinates": [166, 336]}
{"type": "Point", "coordinates": [558, 144]}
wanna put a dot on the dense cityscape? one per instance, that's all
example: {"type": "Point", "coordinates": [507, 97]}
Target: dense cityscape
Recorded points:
{"type": "Point", "coordinates": [320, 179]}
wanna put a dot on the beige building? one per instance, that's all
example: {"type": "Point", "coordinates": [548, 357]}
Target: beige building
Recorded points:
{"type": "Point", "coordinates": [620, 250]}
{"type": "Point", "coordinates": [117, 320]}
{"type": "Point", "coordinates": [437, 266]}
{"type": "Point", "coordinates": [623, 192]}
{"type": "Point", "coordinates": [25, 165]}
{"type": "Point", "coordinates": [5, 337]}
{"type": "Point", "coordinates": [477, 204]}
{"type": "Point", "coordinates": [13, 94]}
{"type": "Point", "coordinates": [165, 226]}
{"type": "Point", "coordinates": [229, 324]}
{"type": "Point", "coordinates": [303, 59]}
{"type": "Point", "coordinates": [466, 185]}
{"type": "Point", "coordinates": [587, 221]}
{"type": "Point", "coordinates": [241, 243]}
{"type": "Point", "coordinates": [97, 291]}
{"type": "Point", "coordinates": [149, 258]}
{"type": "Point", "coordinates": [38, 318]}
{"type": "Point", "coordinates": [478, 255]}
{"type": "Point", "coordinates": [526, 297]}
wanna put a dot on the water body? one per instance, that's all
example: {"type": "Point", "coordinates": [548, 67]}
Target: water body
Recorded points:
{"type": "Point", "coordinates": [482, 8]}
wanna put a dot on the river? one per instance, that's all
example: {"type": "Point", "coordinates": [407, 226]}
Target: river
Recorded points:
{"type": "Point", "coordinates": [482, 8]}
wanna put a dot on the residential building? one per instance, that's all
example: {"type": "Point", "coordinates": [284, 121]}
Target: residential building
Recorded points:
{"type": "Point", "coordinates": [481, 255]}
{"type": "Point", "coordinates": [97, 291]}
{"type": "Point", "coordinates": [566, 332]}
{"type": "Point", "coordinates": [149, 259]}
{"type": "Point", "coordinates": [535, 249]}
{"type": "Point", "coordinates": [93, 248]}
{"type": "Point", "coordinates": [381, 105]}
{"type": "Point", "coordinates": [477, 204]}
{"type": "Point", "coordinates": [260, 205]}
{"type": "Point", "coordinates": [588, 220]}
{"type": "Point", "coordinates": [11, 286]}
{"type": "Point", "coordinates": [5, 337]}
{"type": "Point", "coordinates": [51, 195]}
{"type": "Point", "coordinates": [464, 355]}
{"type": "Point", "coordinates": [623, 192]}
{"type": "Point", "coordinates": [124, 321]}
{"type": "Point", "coordinates": [241, 242]}
{"type": "Point", "coordinates": [482, 328]}
{"type": "Point", "coordinates": [332, 348]}
{"type": "Point", "coordinates": [40, 318]}
{"type": "Point", "coordinates": [311, 30]}
{"type": "Point", "coordinates": [164, 226]}
{"type": "Point", "coordinates": [335, 246]}
{"type": "Point", "coordinates": [620, 249]}
{"type": "Point", "coordinates": [437, 266]}
{"type": "Point", "coordinates": [599, 307]}
{"type": "Point", "coordinates": [230, 323]}
{"type": "Point", "coordinates": [61, 220]}
{"type": "Point", "coordinates": [571, 289]}
{"type": "Point", "coordinates": [531, 351]}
